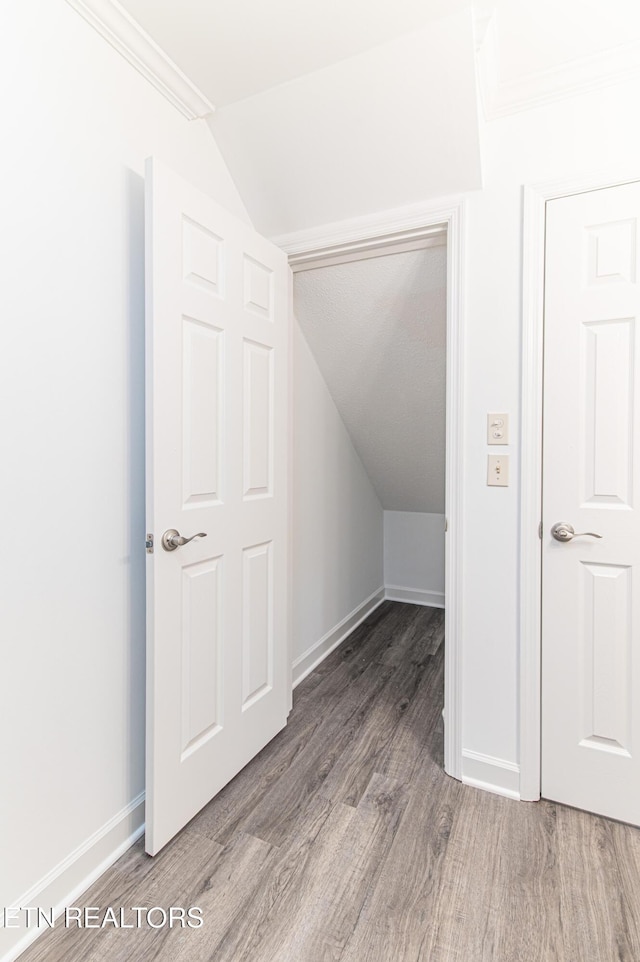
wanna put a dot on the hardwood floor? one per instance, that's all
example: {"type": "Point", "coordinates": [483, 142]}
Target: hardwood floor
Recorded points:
{"type": "Point", "coordinates": [344, 840]}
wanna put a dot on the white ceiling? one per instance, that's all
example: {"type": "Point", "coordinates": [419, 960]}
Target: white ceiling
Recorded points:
{"type": "Point", "coordinates": [377, 329]}
{"type": "Point", "coordinates": [539, 36]}
{"type": "Point", "coordinates": [389, 127]}
{"type": "Point", "coordinates": [332, 109]}
{"type": "Point", "coordinates": [233, 49]}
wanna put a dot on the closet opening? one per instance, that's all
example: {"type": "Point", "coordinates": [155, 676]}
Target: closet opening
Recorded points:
{"type": "Point", "coordinates": [373, 316]}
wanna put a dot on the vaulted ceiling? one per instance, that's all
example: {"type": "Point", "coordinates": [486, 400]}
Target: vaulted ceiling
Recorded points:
{"type": "Point", "coordinates": [386, 128]}
{"type": "Point", "coordinates": [234, 49]}
{"type": "Point", "coordinates": [377, 329]}
{"type": "Point", "coordinates": [329, 109]}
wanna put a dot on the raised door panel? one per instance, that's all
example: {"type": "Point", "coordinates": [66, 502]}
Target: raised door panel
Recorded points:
{"type": "Point", "coordinates": [203, 405]}
{"type": "Point", "coordinates": [258, 420]}
{"type": "Point", "coordinates": [605, 660]}
{"type": "Point", "coordinates": [259, 290]}
{"type": "Point", "coordinates": [608, 410]}
{"type": "Point", "coordinates": [202, 257]}
{"type": "Point", "coordinates": [611, 257]}
{"type": "Point", "coordinates": [202, 653]}
{"type": "Point", "coordinates": [257, 623]}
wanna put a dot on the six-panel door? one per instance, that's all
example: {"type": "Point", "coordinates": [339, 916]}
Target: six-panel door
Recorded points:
{"type": "Point", "coordinates": [218, 683]}
{"type": "Point", "coordinates": [591, 479]}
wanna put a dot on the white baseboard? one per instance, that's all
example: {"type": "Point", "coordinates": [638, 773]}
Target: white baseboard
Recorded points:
{"type": "Point", "coordinates": [415, 596]}
{"type": "Point", "coordinates": [312, 657]}
{"type": "Point", "coordinates": [491, 774]}
{"type": "Point", "coordinates": [62, 886]}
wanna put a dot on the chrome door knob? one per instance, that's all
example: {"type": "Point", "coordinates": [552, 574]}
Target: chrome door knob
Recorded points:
{"type": "Point", "coordinates": [563, 531]}
{"type": "Point", "coordinates": [172, 539]}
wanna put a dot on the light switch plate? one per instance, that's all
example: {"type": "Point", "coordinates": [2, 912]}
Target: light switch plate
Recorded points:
{"type": "Point", "coordinates": [497, 428]}
{"type": "Point", "coordinates": [498, 470]}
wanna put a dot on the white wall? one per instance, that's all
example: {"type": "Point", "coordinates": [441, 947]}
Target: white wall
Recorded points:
{"type": "Point", "coordinates": [337, 520]}
{"type": "Point", "coordinates": [414, 557]}
{"type": "Point", "coordinates": [384, 128]}
{"type": "Point", "coordinates": [586, 133]}
{"type": "Point", "coordinates": [78, 122]}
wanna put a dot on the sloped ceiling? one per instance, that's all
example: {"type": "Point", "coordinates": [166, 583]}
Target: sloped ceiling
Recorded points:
{"type": "Point", "coordinates": [377, 329]}
{"type": "Point", "coordinates": [336, 108]}
{"type": "Point", "coordinates": [234, 49]}
{"type": "Point", "coordinates": [386, 128]}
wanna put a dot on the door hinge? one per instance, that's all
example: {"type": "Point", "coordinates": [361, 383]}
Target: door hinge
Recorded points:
{"type": "Point", "coordinates": [540, 530]}
{"type": "Point", "coordinates": [446, 524]}
{"type": "Point", "coordinates": [149, 544]}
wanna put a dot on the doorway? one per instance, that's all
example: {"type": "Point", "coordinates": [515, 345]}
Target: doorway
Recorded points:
{"type": "Point", "coordinates": [401, 234]}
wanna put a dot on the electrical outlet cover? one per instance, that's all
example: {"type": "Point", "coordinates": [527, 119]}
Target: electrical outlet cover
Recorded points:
{"type": "Point", "coordinates": [498, 470]}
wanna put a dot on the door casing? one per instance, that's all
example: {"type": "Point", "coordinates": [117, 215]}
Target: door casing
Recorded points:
{"type": "Point", "coordinates": [535, 200]}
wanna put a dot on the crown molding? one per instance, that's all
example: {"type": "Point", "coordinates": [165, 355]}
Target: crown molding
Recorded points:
{"type": "Point", "coordinates": [500, 98]}
{"type": "Point", "coordinates": [127, 37]}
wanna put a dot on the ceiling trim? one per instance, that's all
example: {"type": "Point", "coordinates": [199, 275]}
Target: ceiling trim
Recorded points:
{"type": "Point", "coordinates": [373, 231]}
{"type": "Point", "coordinates": [125, 35]}
{"type": "Point", "coordinates": [501, 98]}
{"type": "Point", "coordinates": [392, 243]}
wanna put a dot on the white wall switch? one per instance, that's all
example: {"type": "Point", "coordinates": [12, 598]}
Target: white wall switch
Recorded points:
{"type": "Point", "coordinates": [497, 428]}
{"type": "Point", "coordinates": [498, 470]}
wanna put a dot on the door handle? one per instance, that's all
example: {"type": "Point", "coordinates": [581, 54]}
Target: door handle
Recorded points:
{"type": "Point", "coordinates": [172, 539]}
{"type": "Point", "coordinates": [563, 531]}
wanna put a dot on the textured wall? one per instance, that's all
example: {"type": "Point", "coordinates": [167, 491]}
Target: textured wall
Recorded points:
{"type": "Point", "coordinates": [377, 329]}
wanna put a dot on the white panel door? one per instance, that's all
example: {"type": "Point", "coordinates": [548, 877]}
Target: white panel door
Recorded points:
{"type": "Point", "coordinates": [591, 481]}
{"type": "Point", "coordinates": [218, 674]}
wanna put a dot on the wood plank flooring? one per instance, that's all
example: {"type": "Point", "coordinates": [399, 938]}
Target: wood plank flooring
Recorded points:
{"type": "Point", "coordinates": [344, 840]}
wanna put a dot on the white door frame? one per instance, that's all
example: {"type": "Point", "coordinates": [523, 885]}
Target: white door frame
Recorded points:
{"type": "Point", "coordinates": [535, 200]}
{"type": "Point", "coordinates": [398, 228]}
